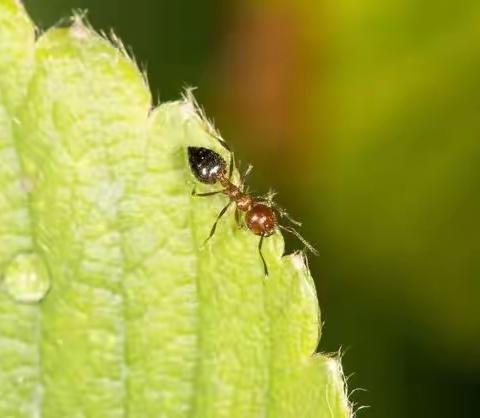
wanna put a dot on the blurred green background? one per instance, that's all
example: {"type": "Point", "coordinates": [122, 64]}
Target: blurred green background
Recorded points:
{"type": "Point", "coordinates": [365, 116]}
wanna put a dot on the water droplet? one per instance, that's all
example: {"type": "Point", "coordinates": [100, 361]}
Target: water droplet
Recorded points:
{"type": "Point", "coordinates": [26, 278]}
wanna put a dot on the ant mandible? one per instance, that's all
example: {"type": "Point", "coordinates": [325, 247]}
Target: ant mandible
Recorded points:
{"type": "Point", "coordinates": [260, 216]}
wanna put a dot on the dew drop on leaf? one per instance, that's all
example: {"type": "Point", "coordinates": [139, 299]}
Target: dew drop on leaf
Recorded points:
{"type": "Point", "coordinates": [26, 278]}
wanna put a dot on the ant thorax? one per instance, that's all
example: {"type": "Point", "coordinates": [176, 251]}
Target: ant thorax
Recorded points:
{"type": "Point", "coordinates": [244, 202]}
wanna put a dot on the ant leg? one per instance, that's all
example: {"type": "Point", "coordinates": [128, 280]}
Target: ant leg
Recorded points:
{"type": "Point", "coordinates": [260, 243]}
{"type": "Point", "coordinates": [214, 227]}
{"type": "Point", "coordinates": [222, 142]}
{"type": "Point", "coordinates": [232, 166]}
{"type": "Point", "coordinates": [303, 240]}
{"type": "Point", "coordinates": [225, 145]}
{"type": "Point", "coordinates": [238, 219]}
{"type": "Point", "coordinates": [194, 193]}
{"type": "Point", "coordinates": [245, 175]}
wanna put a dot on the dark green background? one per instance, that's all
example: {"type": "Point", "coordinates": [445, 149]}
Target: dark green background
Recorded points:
{"type": "Point", "coordinates": [384, 168]}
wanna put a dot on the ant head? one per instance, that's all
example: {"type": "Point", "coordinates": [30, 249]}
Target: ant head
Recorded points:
{"type": "Point", "coordinates": [261, 220]}
{"type": "Point", "coordinates": [206, 165]}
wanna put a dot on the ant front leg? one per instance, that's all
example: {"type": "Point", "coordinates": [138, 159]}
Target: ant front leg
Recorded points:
{"type": "Point", "coordinates": [238, 219]}
{"type": "Point", "coordinates": [214, 227]}
{"type": "Point", "coordinates": [260, 244]}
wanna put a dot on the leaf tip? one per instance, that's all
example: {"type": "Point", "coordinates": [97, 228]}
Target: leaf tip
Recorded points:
{"type": "Point", "coordinates": [78, 28]}
{"type": "Point", "coordinates": [338, 382]}
{"type": "Point", "coordinates": [188, 109]}
{"type": "Point", "coordinates": [298, 261]}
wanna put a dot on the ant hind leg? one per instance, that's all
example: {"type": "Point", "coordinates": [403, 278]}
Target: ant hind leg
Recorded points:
{"type": "Point", "coordinates": [222, 142]}
{"type": "Point", "coordinates": [194, 193]}
{"type": "Point", "coordinates": [225, 145]}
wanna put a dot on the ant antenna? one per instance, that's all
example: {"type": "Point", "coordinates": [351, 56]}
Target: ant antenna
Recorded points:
{"type": "Point", "coordinates": [281, 211]}
{"type": "Point", "coordinates": [284, 214]}
{"type": "Point", "coordinates": [303, 240]}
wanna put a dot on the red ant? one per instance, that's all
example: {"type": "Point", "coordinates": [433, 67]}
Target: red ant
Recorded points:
{"type": "Point", "coordinates": [260, 216]}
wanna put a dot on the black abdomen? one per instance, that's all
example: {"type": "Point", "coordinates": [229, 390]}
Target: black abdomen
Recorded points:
{"type": "Point", "coordinates": [206, 165]}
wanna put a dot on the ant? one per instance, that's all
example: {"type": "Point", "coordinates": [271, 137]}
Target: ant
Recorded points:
{"type": "Point", "coordinates": [261, 215]}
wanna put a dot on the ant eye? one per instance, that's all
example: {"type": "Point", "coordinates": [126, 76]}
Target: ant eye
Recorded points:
{"type": "Point", "coordinates": [206, 165]}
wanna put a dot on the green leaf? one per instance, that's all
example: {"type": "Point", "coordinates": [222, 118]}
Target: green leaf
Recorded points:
{"type": "Point", "coordinates": [110, 304]}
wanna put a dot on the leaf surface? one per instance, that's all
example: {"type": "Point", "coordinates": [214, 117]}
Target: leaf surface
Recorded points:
{"type": "Point", "coordinates": [111, 305]}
